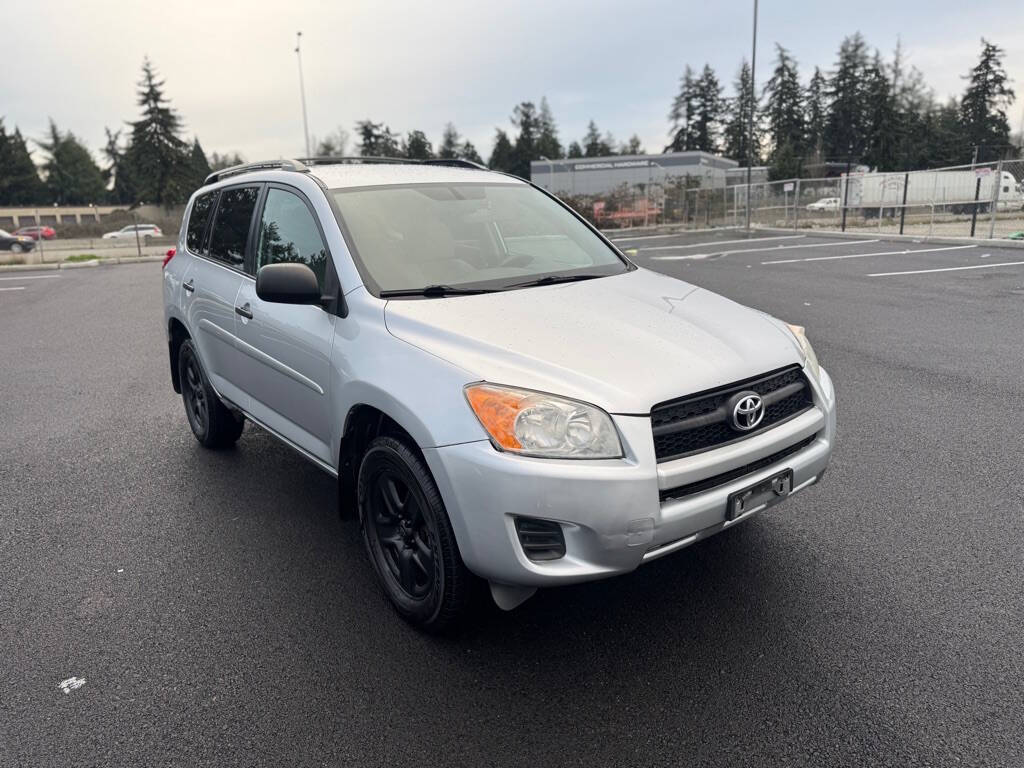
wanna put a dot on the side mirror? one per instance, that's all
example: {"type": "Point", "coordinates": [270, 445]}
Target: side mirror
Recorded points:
{"type": "Point", "coordinates": [287, 284]}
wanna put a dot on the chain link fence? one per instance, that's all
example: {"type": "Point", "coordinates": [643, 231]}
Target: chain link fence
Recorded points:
{"type": "Point", "coordinates": [984, 200]}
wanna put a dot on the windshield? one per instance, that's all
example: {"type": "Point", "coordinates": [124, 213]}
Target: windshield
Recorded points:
{"type": "Point", "coordinates": [486, 236]}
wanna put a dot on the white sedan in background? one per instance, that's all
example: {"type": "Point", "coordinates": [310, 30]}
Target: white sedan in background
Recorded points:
{"type": "Point", "coordinates": [144, 231]}
{"type": "Point", "coordinates": [824, 204]}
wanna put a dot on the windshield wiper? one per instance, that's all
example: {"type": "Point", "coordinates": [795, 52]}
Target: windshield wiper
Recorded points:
{"type": "Point", "coordinates": [551, 280]}
{"type": "Point", "coordinates": [435, 290]}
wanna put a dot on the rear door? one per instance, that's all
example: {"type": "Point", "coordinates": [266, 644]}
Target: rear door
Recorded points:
{"type": "Point", "coordinates": [286, 348]}
{"type": "Point", "coordinates": [213, 284]}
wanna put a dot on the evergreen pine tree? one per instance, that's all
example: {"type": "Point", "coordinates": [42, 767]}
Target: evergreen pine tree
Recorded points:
{"type": "Point", "coordinates": [200, 165]}
{"type": "Point", "coordinates": [881, 119]}
{"type": "Point", "coordinates": [19, 178]}
{"type": "Point", "coordinates": [449, 143]}
{"type": "Point", "coordinates": [417, 146]}
{"type": "Point", "coordinates": [737, 114]}
{"type": "Point", "coordinates": [845, 127]}
{"type": "Point", "coordinates": [575, 150]}
{"type": "Point", "coordinates": [632, 147]}
{"type": "Point", "coordinates": [548, 144]}
{"type": "Point", "coordinates": [72, 176]}
{"type": "Point", "coordinates": [332, 145]}
{"type": "Point", "coordinates": [983, 107]}
{"type": "Point", "coordinates": [525, 118]}
{"type": "Point", "coordinates": [596, 145]}
{"type": "Point", "coordinates": [784, 117]}
{"type": "Point", "coordinates": [501, 154]}
{"type": "Point", "coordinates": [815, 113]}
{"type": "Point", "coordinates": [949, 145]}
{"type": "Point", "coordinates": [377, 140]}
{"type": "Point", "coordinates": [157, 160]}
{"type": "Point", "coordinates": [682, 114]}
{"type": "Point", "coordinates": [708, 108]}
{"type": "Point", "coordinates": [468, 152]}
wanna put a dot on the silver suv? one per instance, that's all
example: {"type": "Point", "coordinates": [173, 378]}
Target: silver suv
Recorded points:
{"type": "Point", "coordinates": [499, 391]}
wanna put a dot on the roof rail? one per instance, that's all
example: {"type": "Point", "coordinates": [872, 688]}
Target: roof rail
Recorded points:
{"type": "Point", "coordinates": [455, 162]}
{"type": "Point", "coordinates": [302, 165]}
{"type": "Point", "coordinates": [234, 170]}
{"type": "Point", "coordinates": [353, 160]}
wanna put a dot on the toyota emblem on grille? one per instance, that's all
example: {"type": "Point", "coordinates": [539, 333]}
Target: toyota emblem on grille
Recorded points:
{"type": "Point", "coordinates": [747, 411]}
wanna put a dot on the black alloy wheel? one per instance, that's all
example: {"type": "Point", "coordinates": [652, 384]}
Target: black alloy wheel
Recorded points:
{"type": "Point", "coordinates": [196, 405]}
{"type": "Point", "coordinates": [212, 422]}
{"type": "Point", "coordinates": [405, 541]}
{"type": "Point", "coordinates": [409, 537]}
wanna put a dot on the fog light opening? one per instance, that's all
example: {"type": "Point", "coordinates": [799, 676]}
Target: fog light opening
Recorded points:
{"type": "Point", "coordinates": [541, 540]}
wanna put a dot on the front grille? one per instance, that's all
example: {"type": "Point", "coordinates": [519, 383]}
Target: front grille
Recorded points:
{"type": "Point", "coordinates": [727, 477]}
{"type": "Point", "coordinates": [700, 422]}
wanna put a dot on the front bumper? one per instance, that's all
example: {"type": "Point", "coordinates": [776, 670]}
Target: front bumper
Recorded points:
{"type": "Point", "coordinates": [611, 512]}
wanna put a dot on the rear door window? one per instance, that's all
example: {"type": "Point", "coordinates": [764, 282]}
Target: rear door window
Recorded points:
{"type": "Point", "coordinates": [231, 225]}
{"type": "Point", "coordinates": [201, 210]}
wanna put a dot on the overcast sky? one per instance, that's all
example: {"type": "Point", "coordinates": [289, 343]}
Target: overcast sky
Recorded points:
{"type": "Point", "coordinates": [230, 67]}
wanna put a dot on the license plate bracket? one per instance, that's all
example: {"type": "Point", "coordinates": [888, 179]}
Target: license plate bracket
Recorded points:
{"type": "Point", "coordinates": [760, 495]}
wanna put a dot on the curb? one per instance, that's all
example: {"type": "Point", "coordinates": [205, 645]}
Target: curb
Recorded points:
{"type": "Point", "coordinates": [26, 267]}
{"type": "Point", "coordinates": [49, 265]}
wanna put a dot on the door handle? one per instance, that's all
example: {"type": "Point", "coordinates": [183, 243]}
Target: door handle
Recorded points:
{"type": "Point", "coordinates": [245, 311]}
{"type": "Point", "coordinates": [189, 285]}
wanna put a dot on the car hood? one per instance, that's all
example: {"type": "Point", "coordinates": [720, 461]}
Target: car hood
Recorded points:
{"type": "Point", "coordinates": [624, 343]}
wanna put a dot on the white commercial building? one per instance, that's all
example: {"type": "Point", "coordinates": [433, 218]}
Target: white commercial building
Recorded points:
{"type": "Point", "coordinates": [594, 176]}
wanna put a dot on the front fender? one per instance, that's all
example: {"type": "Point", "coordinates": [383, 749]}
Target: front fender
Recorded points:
{"type": "Point", "coordinates": [420, 391]}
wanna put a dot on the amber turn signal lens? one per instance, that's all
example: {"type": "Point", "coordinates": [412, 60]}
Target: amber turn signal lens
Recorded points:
{"type": "Point", "coordinates": [497, 410]}
{"type": "Point", "coordinates": [541, 425]}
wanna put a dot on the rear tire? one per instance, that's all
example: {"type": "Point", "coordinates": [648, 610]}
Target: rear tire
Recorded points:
{"type": "Point", "coordinates": [212, 423]}
{"type": "Point", "coordinates": [409, 537]}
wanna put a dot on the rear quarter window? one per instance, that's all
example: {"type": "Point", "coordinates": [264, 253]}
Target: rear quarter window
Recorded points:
{"type": "Point", "coordinates": [231, 225]}
{"type": "Point", "coordinates": [197, 220]}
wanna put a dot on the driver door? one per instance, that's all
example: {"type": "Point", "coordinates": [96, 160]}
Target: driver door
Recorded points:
{"type": "Point", "coordinates": [286, 348]}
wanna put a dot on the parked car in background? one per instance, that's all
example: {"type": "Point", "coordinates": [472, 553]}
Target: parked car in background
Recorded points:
{"type": "Point", "coordinates": [824, 204]}
{"type": "Point", "coordinates": [15, 243]}
{"type": "Point", "coordinates": [44, 232]}
{"type": "Point", "coordinates": [144, 231]}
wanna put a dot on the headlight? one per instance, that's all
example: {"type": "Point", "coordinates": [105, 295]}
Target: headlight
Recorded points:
{"type": "Point", "coordinates": [535, 424]}
{"type": "Point", "coordinates": [809, 356]}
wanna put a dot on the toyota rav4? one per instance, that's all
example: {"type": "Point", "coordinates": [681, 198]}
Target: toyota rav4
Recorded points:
{"type": "Point", "coordinates": [499, 391]}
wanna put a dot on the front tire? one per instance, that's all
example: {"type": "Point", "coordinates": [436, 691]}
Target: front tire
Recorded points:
{"type": "Point", "coordinates": [16, 248]}
{"type": "Point", "coordinates": [409, 538]}
{"type": "Point", "coordinates": [212, 423]}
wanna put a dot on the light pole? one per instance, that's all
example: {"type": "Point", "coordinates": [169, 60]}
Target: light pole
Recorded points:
{"type": "Point", "coordinates": [135, 218]}
{"type": "Point", "coordinates": [750, 122]}
{"type": "Point", "coordinates": [551, 173]}
{"type": "Point", "coordinates": [39, 233]}
{"type": "Point", "coordinates": [302, 90]}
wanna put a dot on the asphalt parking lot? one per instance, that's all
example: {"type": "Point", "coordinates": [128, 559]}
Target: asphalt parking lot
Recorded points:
{"type": "Point", "coordinates": [220, 612]}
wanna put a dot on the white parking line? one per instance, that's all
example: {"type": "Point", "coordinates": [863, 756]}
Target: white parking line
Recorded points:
{"type": "Point", "coordinates": [757, 250]}
{"type": "Point", "coordinates": [945, 269]}
{"type": "Point", "coordinates": [15, 288]}
{"type": "Point", "coordinates": [29, 277]}
{"type": "Point", "coordinates": [723, 242]}
{"type": "Point", "coordinates": [864, 255]}
{"type": "Point", "coordinates": [643, 237]}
